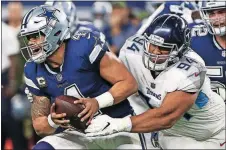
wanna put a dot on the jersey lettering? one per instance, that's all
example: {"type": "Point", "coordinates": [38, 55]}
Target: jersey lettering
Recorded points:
{"type": "Point", "coordinates": [199, 30]}
{"type": "Point", "coordinates": [80, 34]}
{"type": "Point", "coordinates": [136, 41]}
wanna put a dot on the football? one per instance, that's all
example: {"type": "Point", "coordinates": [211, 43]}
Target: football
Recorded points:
{"type": "Point", "coordinates": [65, 104]}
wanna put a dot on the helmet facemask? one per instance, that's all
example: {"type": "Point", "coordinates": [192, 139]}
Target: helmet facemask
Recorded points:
{"type": "Point", "coordinates": [43, 30]}
{"type": "Point", "coordinates": [37, 51]}
{"type": "Point", "coordinates": [160, 62]}
{"type": "Point", "coordinates": [216, 26]}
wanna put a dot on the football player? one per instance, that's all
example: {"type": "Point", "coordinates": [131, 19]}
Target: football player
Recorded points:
{"type": "Point", "coordinates": [71, 11]}
{"type": "Point", "coordinates": [209, 41]}
{"type": "Point", "coordinates": [100, 13]}
{"type": "Point", "coordinates": [79, 66]}
{"type": "Point", "coordinates": [181, 8]}
{"type": "Point", "coordinates": [172, 77]}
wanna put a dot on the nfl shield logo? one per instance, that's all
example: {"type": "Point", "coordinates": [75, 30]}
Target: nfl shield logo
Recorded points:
{"type": "Point", "coordinates": [153, 85]}
{"type": "Point", "coordinates": [59, 77]}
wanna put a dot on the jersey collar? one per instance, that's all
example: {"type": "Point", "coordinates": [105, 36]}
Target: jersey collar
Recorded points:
{"type": "Point", "coordinates": [51, 71]}
{"type": "Point", "coordinates": [217, 44]}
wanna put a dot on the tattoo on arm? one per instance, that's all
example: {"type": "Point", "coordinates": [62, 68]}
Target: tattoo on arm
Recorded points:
{"type": "Point", "coordinates": [40, 107]}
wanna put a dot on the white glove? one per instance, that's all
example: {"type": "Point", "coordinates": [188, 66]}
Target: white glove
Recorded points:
{"type": "Point", "coordinates": [105, 125]}
{"type": "Point", "coordinates": [29, 94]}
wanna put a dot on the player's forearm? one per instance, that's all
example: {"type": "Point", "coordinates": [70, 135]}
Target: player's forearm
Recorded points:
{"type": "Point", "coordinates": [42, 127]}
{"type": "Point", "coordinates": [123, 89]}
{"type": "Point", "coordinates": [153, 120]}
{"type": "Point", "coordinates": [40, 109]}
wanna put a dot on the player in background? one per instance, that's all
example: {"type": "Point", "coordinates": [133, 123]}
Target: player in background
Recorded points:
{"type": "Point", "coordinates": [79, 66]}
{"type": "Point", "coordinates": [209, 41]}
{"type": "Point", "coordinates": [172, 77]}
{"type": "Point", "coordinates": [181, 8]}
{"type": "Point", "coordinates": [70, 10]}
{"type": "Point", "coordinates": [100, 13]}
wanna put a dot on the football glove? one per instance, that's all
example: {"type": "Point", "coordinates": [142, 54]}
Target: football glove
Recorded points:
{"type": "Point", "coordinates": [105, 125]}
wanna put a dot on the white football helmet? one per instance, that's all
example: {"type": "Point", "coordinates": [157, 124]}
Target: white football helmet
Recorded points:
{"type": "Point", "coordinates": [43, 21]}
{"type": "Point", "coordinates": [214, 25]}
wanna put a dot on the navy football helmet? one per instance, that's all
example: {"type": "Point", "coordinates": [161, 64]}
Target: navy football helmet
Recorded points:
{"type": "Point", "coordinates": [170, 33]}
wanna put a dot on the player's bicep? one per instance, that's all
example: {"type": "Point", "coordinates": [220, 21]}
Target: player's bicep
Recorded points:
{"type": "Point", "coordinates": [175, 104]}
{"type": "Point", "coordinates": [112, 69]}
{"type": "Point", "coordinates": [40, 107]}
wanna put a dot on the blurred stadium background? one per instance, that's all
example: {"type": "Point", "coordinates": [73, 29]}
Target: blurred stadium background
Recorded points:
{"type": "Point", "coordinates": [16, 122]}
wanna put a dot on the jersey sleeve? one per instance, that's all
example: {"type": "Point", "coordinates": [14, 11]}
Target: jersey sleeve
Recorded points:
{"type": "Point", "coordinates": [30, 79]}
{"type": "Point", "coordinates": [190, 80]}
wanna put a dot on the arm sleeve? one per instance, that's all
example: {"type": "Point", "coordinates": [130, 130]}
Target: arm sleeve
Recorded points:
{"type": "Point", "coordinates": [190, 82]}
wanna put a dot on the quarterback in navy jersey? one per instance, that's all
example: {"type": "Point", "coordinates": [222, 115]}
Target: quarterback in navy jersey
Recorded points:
{"type": "Point", "coordinates": [79, 66]}
{"type": "Point", "coordinates": [209, 41]}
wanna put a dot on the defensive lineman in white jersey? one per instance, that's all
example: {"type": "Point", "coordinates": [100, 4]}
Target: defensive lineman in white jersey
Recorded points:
{"type": "Point", "coordinates": [195, 118]}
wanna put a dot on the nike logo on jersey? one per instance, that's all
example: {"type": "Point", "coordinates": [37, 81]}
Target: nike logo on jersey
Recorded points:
{"type": "Point", "coordinates": [108, 124]}
{"type": "Point", "coordinates": [197, 74]}
{"type": "Point", "coordinates": [221, 144]}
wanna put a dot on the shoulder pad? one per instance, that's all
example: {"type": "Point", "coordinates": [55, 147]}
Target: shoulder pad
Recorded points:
{"type": "Point", "coordinates": [134, 44]}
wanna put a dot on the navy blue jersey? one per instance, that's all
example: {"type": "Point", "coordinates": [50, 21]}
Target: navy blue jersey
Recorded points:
{"type": "Point", "coordinates": [213, 54]}
{"type": "Point", "coordinates": [79, 75]}
{"type": "Point", "coordinates": [83, 25]}
{"type": "Point", "coordinates": [88, 26]}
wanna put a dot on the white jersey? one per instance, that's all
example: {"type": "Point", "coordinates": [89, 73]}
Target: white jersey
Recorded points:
{"type": "Point", "coordinates": [207, 115]}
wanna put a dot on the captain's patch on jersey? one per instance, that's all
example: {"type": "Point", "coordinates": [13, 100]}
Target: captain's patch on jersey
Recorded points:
{"type": "Point", "coordinates": [41, 82]}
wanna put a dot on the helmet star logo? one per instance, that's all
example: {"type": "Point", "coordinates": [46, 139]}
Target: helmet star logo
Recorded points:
{"type": "Point", "coordinates": [49, 14]}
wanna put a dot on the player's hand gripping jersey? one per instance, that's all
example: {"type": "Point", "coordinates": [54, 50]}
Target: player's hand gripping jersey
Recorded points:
{"type": "Point", "coordinates": [206, 117]}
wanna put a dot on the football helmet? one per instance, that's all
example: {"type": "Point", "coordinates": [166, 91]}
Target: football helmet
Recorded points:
{"type": "Point", "coordinates": [100, 12]}
{"type": "Point", "coordinates": [47, 24]}
{"type": "Point", "coordinates": [69, 8]}
{"type": "Point", "coordinates": [214, 25]}
{"type": "Point", "coordinates": [170, 33]}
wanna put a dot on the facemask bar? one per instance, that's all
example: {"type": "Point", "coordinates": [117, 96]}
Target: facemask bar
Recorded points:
{"type": "Point", "coordinates": [215, 29]}
{"type": "Point", "coordinates": [28, 51]}
{"type": "Point", "coordinates": [159, 62]}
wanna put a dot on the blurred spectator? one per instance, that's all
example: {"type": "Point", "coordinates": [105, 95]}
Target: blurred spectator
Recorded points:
{"type": "Point", "coordinates": [137, 17]}
{"type": "Point", "coordinates": [120, 27]}
{"type": "Point", "coordinates": [100, 13]}
{"type": "Point", "coordinates": [10, 52]}
{"type": "Point", "coordinates": [15, 14]}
